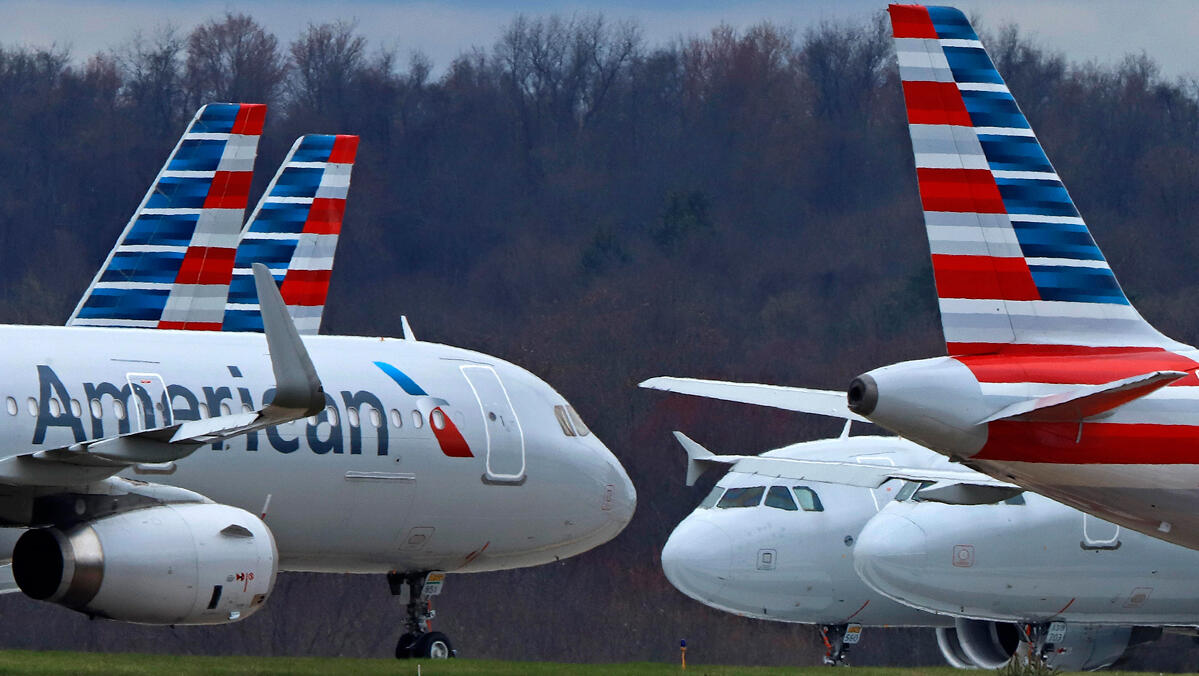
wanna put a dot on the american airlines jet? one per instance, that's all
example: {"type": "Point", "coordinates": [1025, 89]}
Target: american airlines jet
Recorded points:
{"type": "Point", "coordinates": [1053, 380]}
{"type": "Point", "coordinates": [165, 476]}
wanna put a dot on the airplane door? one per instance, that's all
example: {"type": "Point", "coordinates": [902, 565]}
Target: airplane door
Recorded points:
{"type": "Point", "coordinates": [1099, 534]}
{"type": "Point", "coordinates": [148, 403]}
{"type": "Point", "coordinates": [505, 438]}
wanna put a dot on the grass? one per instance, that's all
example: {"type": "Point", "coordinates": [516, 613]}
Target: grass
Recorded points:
{"type": "Point", "coordinates": [35, 662]}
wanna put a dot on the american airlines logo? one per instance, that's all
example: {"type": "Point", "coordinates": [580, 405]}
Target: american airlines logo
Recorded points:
{"type": "Point", "coordinates": [323, 433]}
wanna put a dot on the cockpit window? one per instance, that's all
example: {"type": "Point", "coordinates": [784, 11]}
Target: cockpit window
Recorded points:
{"type": "Point", "coordinates": [710, 501]}
{"type": "Point", "coordinates": [564, 421]}
{"type": "Point", "coordinates": [1017, 499]}
{"type": "Point", "coordinates": [578, 422]}
{"type": "Point", "coordinates": [911, 490]}
{"type": "Point", "coordinates": [741, 497]}
{"type": "Point", "coordinates": [807, 499]}
{"type": "Point", "coordinates": [780, 498]}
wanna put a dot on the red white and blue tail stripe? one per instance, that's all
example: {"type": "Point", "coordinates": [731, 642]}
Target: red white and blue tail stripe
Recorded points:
{"type": "Point", "coordinates": [173, 263]}
{"type": "Point", "coordinates": [1013, 259]}
{"type": "Point", "coordinates": [294, 231]}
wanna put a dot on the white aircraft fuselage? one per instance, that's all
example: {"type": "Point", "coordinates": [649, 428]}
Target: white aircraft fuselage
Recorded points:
{"type": "Point", "coordinates": [1035, 562]}
{"type": "Point", "coordinates": [793, 565]}
{"type": "Point", "coordinates": [428, 457]}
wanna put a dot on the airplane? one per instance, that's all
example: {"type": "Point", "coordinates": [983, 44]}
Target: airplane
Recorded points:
{"type": "Point", "coordinates": [984, 559]}
{"type": "Point", "coordinates": [1082, 588]}
{"type": "Point", "coordinates": [164, 476]}
{"type": "Point", "coordinates": [1053, 380]}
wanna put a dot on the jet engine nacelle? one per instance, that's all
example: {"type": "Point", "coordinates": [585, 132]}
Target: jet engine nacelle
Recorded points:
{"type": "Point", "coordinates": [196, 563]}
{"type": "Point", "coordinates": [986, 644]}
{"type": "Point", "coordinates": [1086, 647]}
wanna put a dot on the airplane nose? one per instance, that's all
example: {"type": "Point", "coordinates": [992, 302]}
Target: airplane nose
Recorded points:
{"type": "Point", "coordinates": [891, 554]}
{"type": "Point", "coordinates": [698, 558]}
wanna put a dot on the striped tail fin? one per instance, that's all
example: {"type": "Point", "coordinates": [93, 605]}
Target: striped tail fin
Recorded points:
{"type": "Point", "coordinates": [1014, 262]}
{"type": "Point", "coordinates": [293, 231]}
{"type": "Point", "coordinates": [173, 263]}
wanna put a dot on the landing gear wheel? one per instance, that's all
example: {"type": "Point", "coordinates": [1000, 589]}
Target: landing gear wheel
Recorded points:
{"type": "Point", "coordinates": [405, 645]}
{"type": "Point", "coordinates": [433, 645]}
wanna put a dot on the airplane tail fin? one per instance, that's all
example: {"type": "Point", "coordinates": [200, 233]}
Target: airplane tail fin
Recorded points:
{"type": "Point", "coordinates": [1013, 260]}
{"type": "Point", "coordinates": [174, 260]}
{"type": "Point", "coordinates": [293, 231]}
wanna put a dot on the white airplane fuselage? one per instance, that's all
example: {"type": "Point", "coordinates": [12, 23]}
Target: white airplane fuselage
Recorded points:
{"type": "Point", "coordinates": [429, 457]}
{"type": "Point", "coordinates": [793, 565]}
{"type": "Point", "coordinates": [1036, 562]}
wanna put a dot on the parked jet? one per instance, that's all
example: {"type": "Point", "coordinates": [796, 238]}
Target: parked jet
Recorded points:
{"type": "Point", "coordinates": [1053, 380]}
{"type": "Point", "coordinates": [758, 559]}
{"type": "Point", "coordinates": [1084, 589]}
{"type": "Point", "coordinates": [401, 457]}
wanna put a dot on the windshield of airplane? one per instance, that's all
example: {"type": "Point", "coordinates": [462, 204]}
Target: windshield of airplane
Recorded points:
{"type": "Point", "coordinates": [710, 501]}
{"type": "Point", "coordinates": [780, 498]}
{"type": "Point", "coordinates": [808, 500]}
{"type": "Point", "coordinates": [741, 497]}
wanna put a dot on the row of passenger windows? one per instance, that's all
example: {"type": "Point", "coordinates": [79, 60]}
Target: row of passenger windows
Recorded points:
{"type": "Point", "coordinates": [572, 424]}
{"type": "Point", "coordinates": [373, 416]}
{"type": "Point", "coordinates": [791, 499]}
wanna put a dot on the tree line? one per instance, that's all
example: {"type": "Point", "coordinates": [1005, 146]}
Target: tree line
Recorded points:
{"type": "Point", "coordinates": [739, 204]}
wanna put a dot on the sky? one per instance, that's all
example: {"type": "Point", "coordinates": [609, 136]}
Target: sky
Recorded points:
{"type": "Point", "coordinates": [1084, 30]}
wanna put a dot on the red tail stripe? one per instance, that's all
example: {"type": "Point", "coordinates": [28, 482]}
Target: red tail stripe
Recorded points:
{"type": "Point", "coordinates": [1038, 349]}
{"type": "Point", "coordinates": [206, 265]}
{"type": "Point", "coordinates": [345, 149]}
{"type": "Point", "coordinates": [250, 119]}
{"type": "Point", "coordinates": [305, 287]}
{"type": "Point", "coordinates": [935, 103]}
{"type": "Point", "coordinates": [983, 277]}
{"type": "Point", "coordinates": [229, 190]}
{"type": "Point", "coordinates": [1077, 369]}
{"type": "Point", "coordinates": [911, 21]}
{"type": "Point", "coordinates": [325, 216]}
{"type": "Point", "coordinates": [190, 326]}
{"type": "Point", "coordinates": [963, 190]}
{"type": "Point", "coordinates": [1099, 443]}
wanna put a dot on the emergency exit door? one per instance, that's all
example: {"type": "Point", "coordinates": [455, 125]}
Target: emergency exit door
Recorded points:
{"type": "Point", "coordinates": [505, 438]}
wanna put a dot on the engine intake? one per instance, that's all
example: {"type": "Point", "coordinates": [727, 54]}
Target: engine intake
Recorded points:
{"type": "Point", "coordinates": [168, 564]}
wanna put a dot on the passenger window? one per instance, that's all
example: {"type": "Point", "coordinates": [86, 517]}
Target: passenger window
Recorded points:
{"type": "Point", "coordinates": [397, 418]}
{"type": "Point", "coordinates": [352, 416]}
{"type": "Point", "coordinates": [55, 407]}
{"type": "Point", "coordinates": [564, 421]}
{"type": "Point", "coordinates": [578, 422]}
{"type": "Point", "coordinates": [203, 411]}
{"type": "Point", "coordinates": [437, 417]}
{"type": "Point", "coordinates": [32, 406]}
{"type": "Point", "coordinates": [97, 409]}
{"type": "Point", "coordinates": [780, 498]}
{"type": "Point", "coordinates": [76, 409]}
{"type": "Point", "coordinates": [710, 501]}
{"type": "Point", "coordinates": [741, 497]}
{"type": "Point", "coordinates": [226, 410]}
{"type": "Point", "coordinates": [118, 408]}
{"type": "Point", "coordinates": [376, 418]}
{"type": "Point", "coordinates": [807, 499]}
{"type": "Point", "coordinates": [417, 421]}
{"type": "Point", "coordinates": [11, 405]}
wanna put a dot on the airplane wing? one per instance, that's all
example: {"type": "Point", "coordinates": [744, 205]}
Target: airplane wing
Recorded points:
{"type": "Point", "coordinates": [953, 486]}
{"type": "Point", "coordinates": [800, 399]}
{"type": "Point", "coordinates": [298, 394]}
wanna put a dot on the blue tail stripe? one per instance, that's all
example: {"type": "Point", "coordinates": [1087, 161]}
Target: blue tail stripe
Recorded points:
{"type": "Point", "coordinates": [143, 266]}
{"type": "Point", "coordinates": [314, 148]}
{"type": "Point", "coordinates": [971, 64]}
{"type": "Point", "coordinates": [951, 24]}
{"type": "Point", "coordinates": [242, 320]}
{"type": "Point", "coordinates": [1084, 285]}
{"type": "Point", "coordinates": [281, 217]}
{"type": "Point", "coordinates": [217, 118]}
{"type": "Point", "coordinates": [269, 252]}
{"type": "Point", "coordinates": [1056, 240]}
{"type": "Point", "coordinates": [125, 304]}
{"type": "Point", "coordinates": [162, 229]}
{"type": "Point", "coordinates": [298, 182]}
{"type": "Point", "coordinates": [1014, 153]}
{"type": "Point", "coordinates": [197, 155]}
{"type": "Point", "coordinates": [1038, 197]}
{"type": "Point", "coordinates": [993, 109]}
{"type": "Point", "coordinates": [175, 192]}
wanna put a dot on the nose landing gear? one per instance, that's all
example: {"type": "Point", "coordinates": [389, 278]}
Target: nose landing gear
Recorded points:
{"type": "Point", "coordinates": [837, 639]}
{"type": "Point", "coordinates": [418, 639]}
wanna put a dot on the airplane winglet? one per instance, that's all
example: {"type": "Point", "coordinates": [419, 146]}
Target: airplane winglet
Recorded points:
{"type": "Point", "coordinates": [1089, 400]}
{"type": "Point", "coordinates": [699, 459]}
{"type": "Point", "coordinates": [297, 387]}
{"type": "Point", "coordinates": [408, 334]}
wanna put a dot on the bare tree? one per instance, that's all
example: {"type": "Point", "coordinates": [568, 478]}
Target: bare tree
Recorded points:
{"type": "Point", "coordinates": [234, 59]}
{"type": "Point", "coordinates": [327, 59]}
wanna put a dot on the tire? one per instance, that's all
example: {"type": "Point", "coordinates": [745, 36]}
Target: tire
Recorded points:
{"type": "Point", "coordinates": [404, 646]}
{"type": "Point", "coordinates": [433, 645]}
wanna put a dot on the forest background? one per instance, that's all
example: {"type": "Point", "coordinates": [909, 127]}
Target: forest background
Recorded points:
{"type": "Point", "coordinates": [740, 205]}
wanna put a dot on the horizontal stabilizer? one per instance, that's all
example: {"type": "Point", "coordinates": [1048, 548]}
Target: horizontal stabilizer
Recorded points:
{"type": "Point", "coordinates": [852, 473]}
{"type": "Point", "coordinates": [798, 399]}
{"type": "Point", "coordinates": [1085, 401]}
{"type": "Point", "coordinates": [700, 459]}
